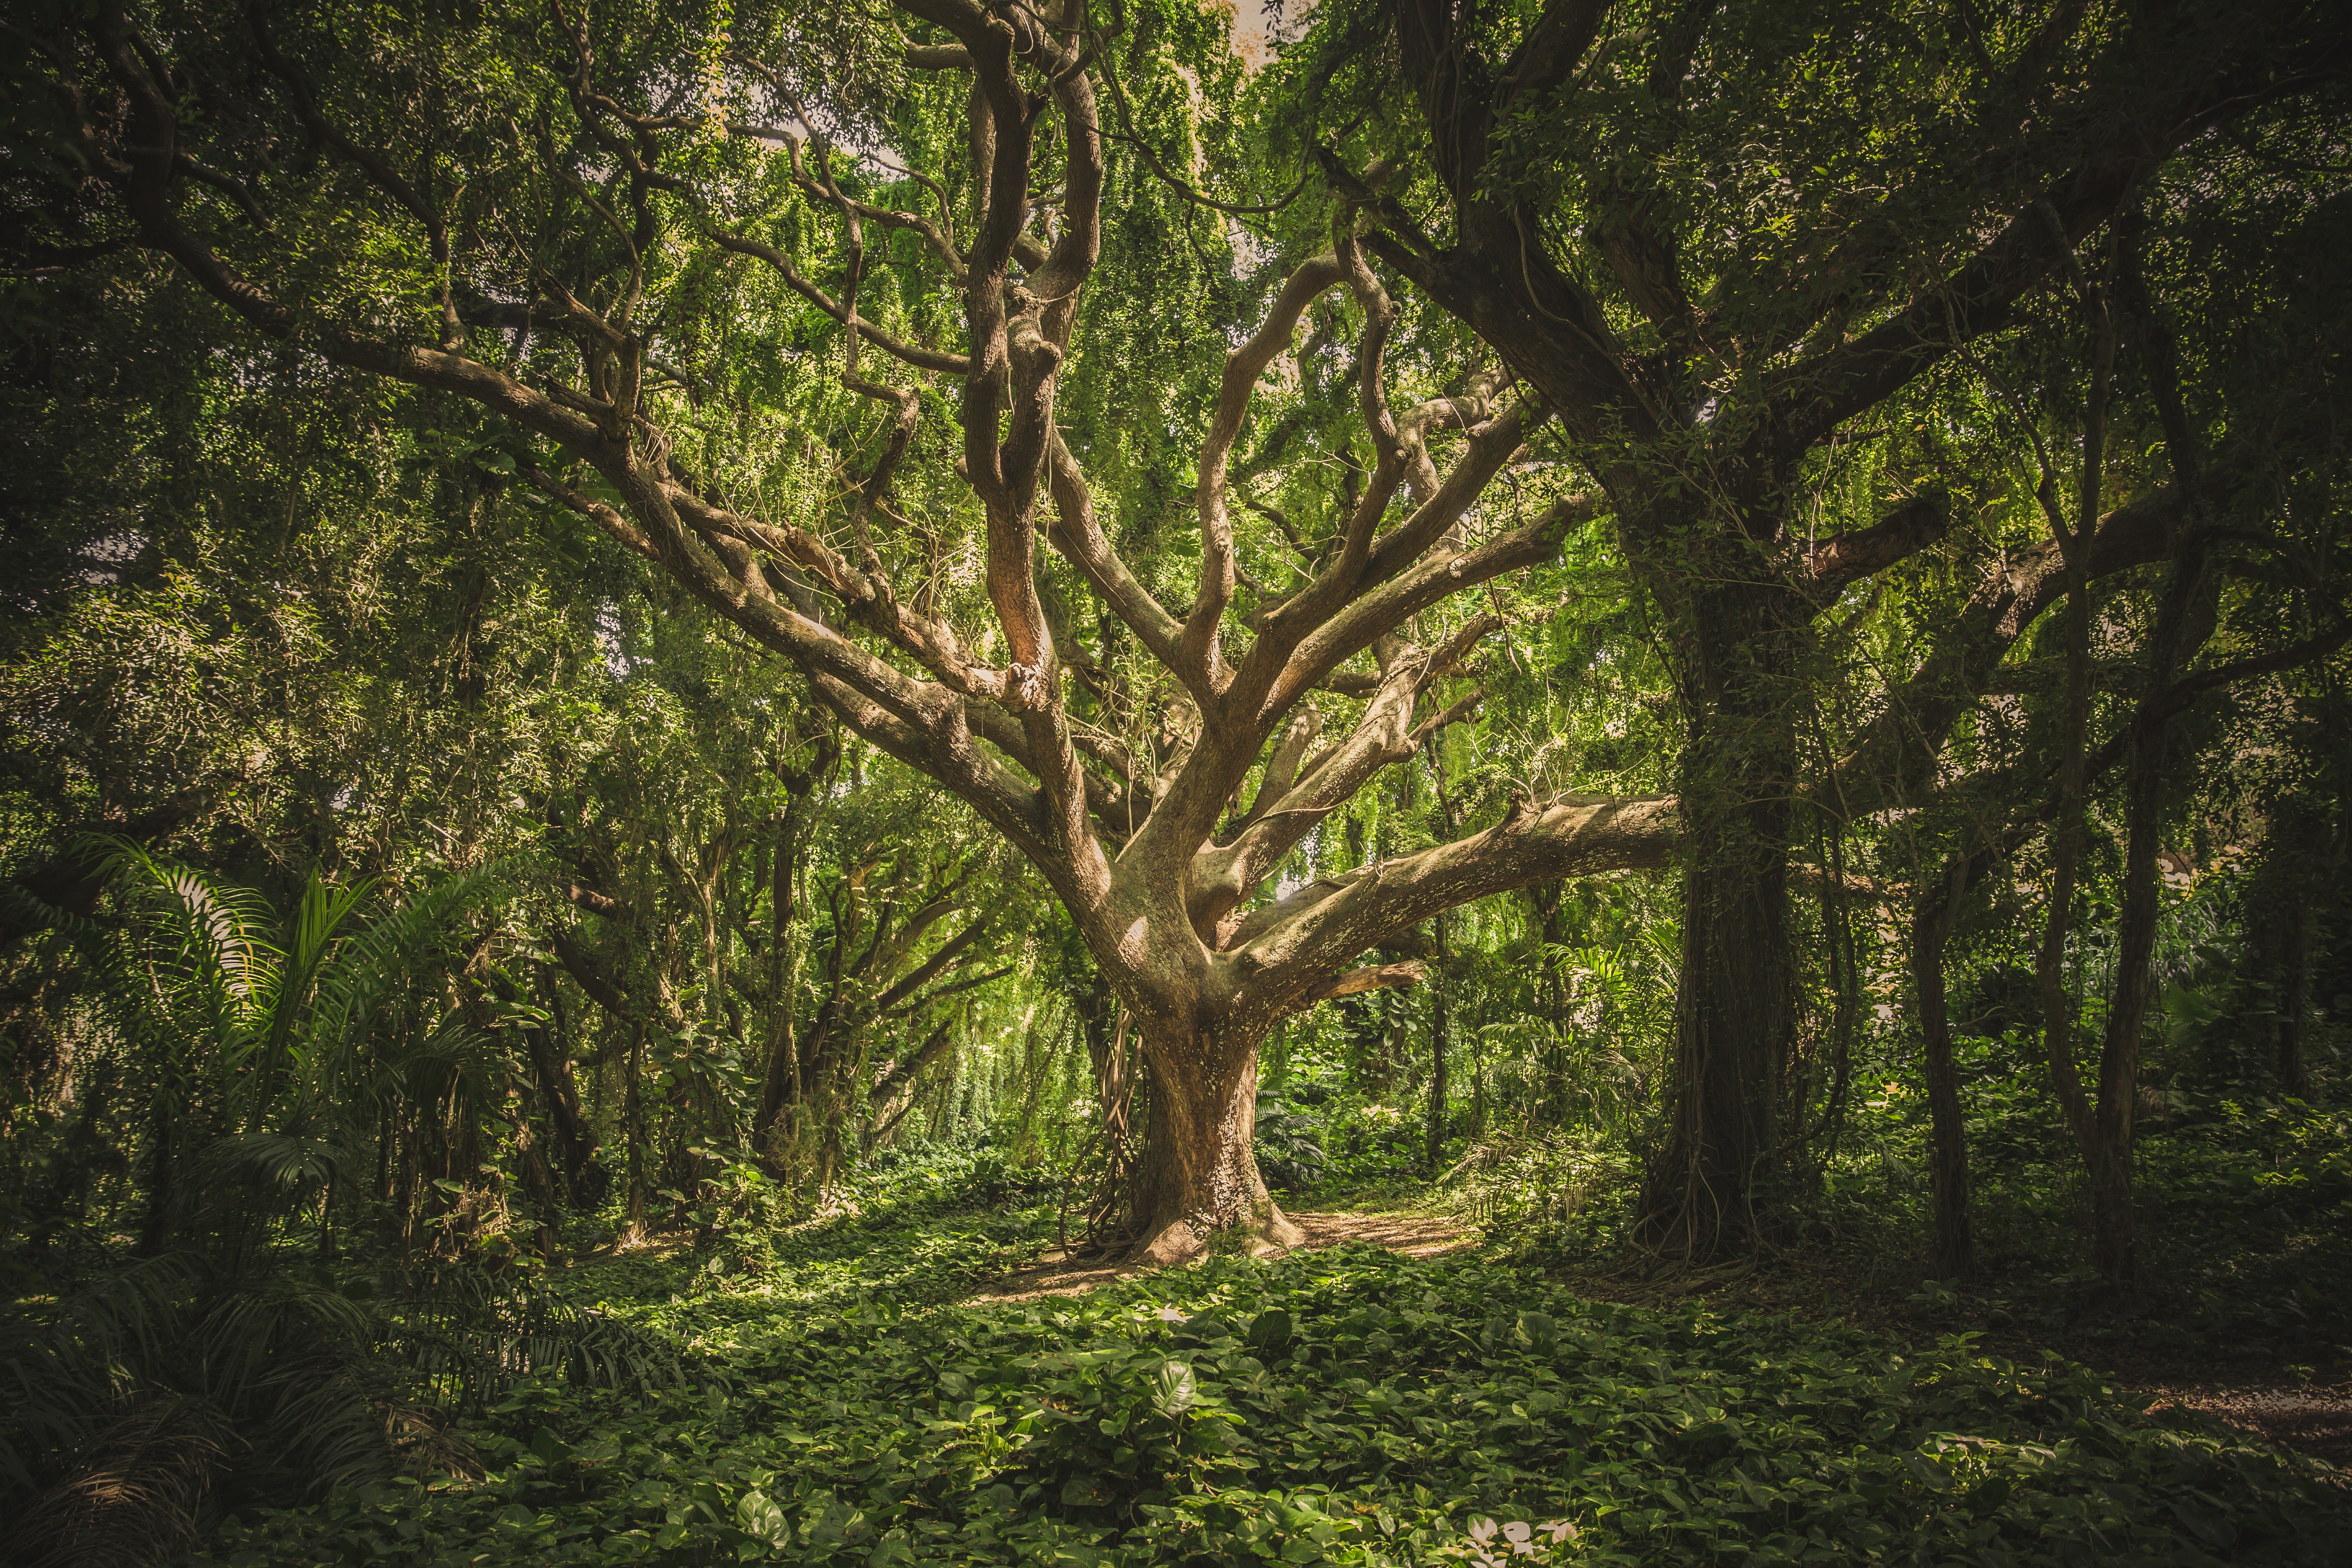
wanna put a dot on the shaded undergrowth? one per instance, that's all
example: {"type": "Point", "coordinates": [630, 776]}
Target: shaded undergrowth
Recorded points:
{"type": "Point", "coordinates": [2245, 1249]}
{"type": "Point", "coordinates": [1348, 1406]}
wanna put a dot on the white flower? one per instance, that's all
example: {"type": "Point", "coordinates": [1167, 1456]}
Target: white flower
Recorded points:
{"type": "Point", "coordinates": [1482, 1531]}
{"type": "Point", "coordinates": [1171, 1315]}
{"type": "Point", "coordinates": [1561, 1530]}
{"type": "Point", "coordinates": [1517, 1532]}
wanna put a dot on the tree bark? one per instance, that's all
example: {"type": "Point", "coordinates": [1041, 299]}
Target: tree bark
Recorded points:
{"type": "Point", "coordinates": [1551, 1003]}
{"type": "Point", "coordinates": [575, 1140]}
{"type": "Point", "coordinates": [2299, 862]}
{"type": "Point", "coordinates": [538, 1184]}
{"type": "Point", "coordinates": [1440, 1032]}
{"type": "Point", "coordinates": [780, 1082]}
{"type": "Point", "coordinates": [1200, 1173]}
{"type": "Point", "coordinates": [1708, 1194]}
{"type": "Point", "coordinates": [2296, 997]}
{"type": "Point", "coordinates": [634, 1110]}
{"type": "Point", "coordinates": [1932, 918]}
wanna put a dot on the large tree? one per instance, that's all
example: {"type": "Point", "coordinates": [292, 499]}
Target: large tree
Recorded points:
{"type": "Point", "coordinates": [1156, 841]}
{"type": "Point", "coordinates": [559, 224]}
{"type": "Point", "coordinates": [1723, 242]}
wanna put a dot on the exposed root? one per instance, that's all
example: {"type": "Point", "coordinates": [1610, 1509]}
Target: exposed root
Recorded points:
{"type": "Point", "coordinates": [1272, 1234]}
{"type": "Point", "coordinates": [1074, 1270]}
{"type": "Point", "coordinates": [1173, 1243]}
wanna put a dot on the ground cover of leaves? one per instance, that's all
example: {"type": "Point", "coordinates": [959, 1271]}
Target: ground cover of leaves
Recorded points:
{"type": "Point", "coordinates": [1346, 1405]}
{"type": "Point", "coordinates": [2242, 1309]}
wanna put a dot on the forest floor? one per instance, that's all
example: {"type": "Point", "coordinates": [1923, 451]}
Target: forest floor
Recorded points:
{"type": "Point", "coordinates": [2243, 1309]}
{"type": "Point", "coordinates": [2268, 1394]}
{"type": "Point", "coordinates": [2264, 1395]}
{"type": "Point", "coordinates": [914, 1381]}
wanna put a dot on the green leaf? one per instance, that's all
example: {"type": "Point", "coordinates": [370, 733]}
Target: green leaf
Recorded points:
{"type": "Point", "coordinates": [1271, 1329]}
{"type": "Point", "coordinates": [1174, 1390]}
{"type": "Point", "coordinates": [759, 1515]}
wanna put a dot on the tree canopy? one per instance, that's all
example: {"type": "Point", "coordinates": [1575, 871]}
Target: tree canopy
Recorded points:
{"type": "Point", "coordinates": [631, 611]}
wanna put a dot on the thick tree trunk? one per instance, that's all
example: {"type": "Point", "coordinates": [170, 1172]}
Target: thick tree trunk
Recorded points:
{"type": "Point", "coordinates": [1931, 927]}
{"type": "Point", "coordinates": [1732, 1033]}
{"type": "Point", "coordinates": [1708, 1194]}
{"type": "Point", "coordinates": [1199, 1173]}
{"type": "Point", "coordinates": [1734, 1013]}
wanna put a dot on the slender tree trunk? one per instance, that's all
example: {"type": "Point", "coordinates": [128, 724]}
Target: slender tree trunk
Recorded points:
{"type": "Point", "coordinates": [1477, 1090]}
{"type": "Point", "coordinates": [1551, 1000]}
{"type": "Point", "coordinates": [538, 1182]}
{"type": "Point", "coordinates": [2295, 998]}
{"type": "Point", "coordinates": [574, 1139]}
{"type": "Point", "coordinates": [2300, 862]}
{"type": "Point", "coordinates": [407, 1167]}
{"type": "Point", "coordinates": [2066, 830]}
{"type": "Point", "coordinates": [2186, 614]}
{"type": "Point", "coordinates": [386, 1137]}
{"type": "Point", "coordinates": [2115, 1230]}
{"type": "Point", "coordinates": [2184, 619]}
{"type": "Point", "coordinates": [163, 1194]}
{"type": "Point", "coordinates": [1440, 1040]}
{"type": "Point", "coordinates": [780, 1082]}
{"type": "Point", "coordinates": [69, 1175]}
{"type": "Point", "coordinates": [1199, 1173]}
{"type": "Point", "coordinates": [634, 1110]}
{"type": "Point", "coordinates": [1932, 918]}
{"type": "Point", "coordinates": [326, 1219]}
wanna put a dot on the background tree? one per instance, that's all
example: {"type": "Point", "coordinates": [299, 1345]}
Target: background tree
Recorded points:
{"type": "Point", "coordinates": [1716, 241]}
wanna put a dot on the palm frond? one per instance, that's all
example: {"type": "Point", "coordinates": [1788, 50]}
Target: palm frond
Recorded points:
{"type": "Point", "coordinates": [61, 1373]}
{"type": "Point", "coordinates": [376, 960]}
{"type": "Point", "coordinates": [33, 912]}
{"type": "Point", "coordinates": [135, 1491]}
{"type": "Point", "coordinates": [311, 947]}
{"type": "Point", "coordinates": [198, 943]}
{"type": "Point", "coordinates": [472, 1335]}
{"type": "Point", "coordinates": [288, 1163]}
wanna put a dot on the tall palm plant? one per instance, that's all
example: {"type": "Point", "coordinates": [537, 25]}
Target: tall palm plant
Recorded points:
{"type": "Point", "coordinates": [275, 1041]}
{"type": "Point", "coordinates": [275, 1045]}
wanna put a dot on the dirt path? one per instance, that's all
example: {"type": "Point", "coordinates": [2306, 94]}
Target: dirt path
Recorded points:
{"type": "Point", "coordinates": [1414, 1234]}
{"type": "Point", "coordinates": [2316, 1421]}
{"type": "Point", "coordinates": [1057, 1273]}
